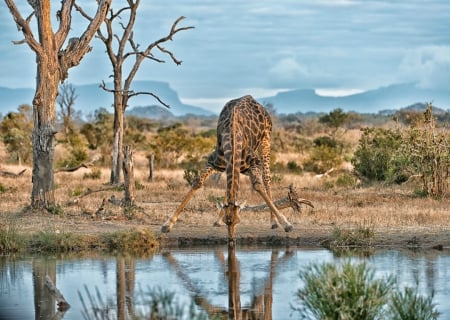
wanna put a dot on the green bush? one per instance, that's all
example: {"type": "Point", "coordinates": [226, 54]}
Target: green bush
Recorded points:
{"type": "Point", "coordinates": [293, 167]}
{"type": "Point", "coordinates": [426, 151]}
{"type": "Point", "coordinates": [350, 291]}
{"type": "Point", "coordinates": [346, 180]}
{"type": "Point", "coordinates": [323, 158]}
{"type": "Point", "coordinates": [342, 292]}
{"type": "Point", "coordinates": [377, 147]}
{"type": "Point", "coordinates": [410, 305]}
{"type": "Point", "coordinates": [190, 175]}
{"type": "Point", "coordinates": [94, 174]}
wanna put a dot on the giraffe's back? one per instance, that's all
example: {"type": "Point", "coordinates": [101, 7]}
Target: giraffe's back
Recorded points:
{"type": "Point", "coordinates": [249, 116]}
{"type": "Point", "coordinates": [245, 122]}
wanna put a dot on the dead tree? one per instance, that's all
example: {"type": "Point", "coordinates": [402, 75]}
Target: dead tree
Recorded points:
{"type": "Point", "coordinates": [118, 38]}
{"type": "Point", "coordinates": [53, 62]}
{"type": "Point", "coordinates": [66, 100]}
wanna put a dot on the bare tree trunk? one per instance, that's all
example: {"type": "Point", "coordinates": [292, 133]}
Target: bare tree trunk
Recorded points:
{"type": "Point", "coordinates": [42, 194]}
{"type": "Point", "coordinates": [151, 161]}
{"type": "Point", "coordinates": [128, 174]}
{"type": "Point", "coordinates": [120, 45]}
{"type": "Point", "coordinates": [48, 77]}
{"type": "Point", "coordinates": [116, 165]}
{"type": "Point", "coordinates": [53, 63]}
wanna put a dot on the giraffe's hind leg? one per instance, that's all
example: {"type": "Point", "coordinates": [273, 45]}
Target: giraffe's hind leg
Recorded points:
{"type": "Point", "coordinates": [167, 226]}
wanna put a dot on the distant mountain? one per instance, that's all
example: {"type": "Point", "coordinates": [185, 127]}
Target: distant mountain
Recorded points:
{"type": "Point", "coordinates": [91, 97]}
{"type": "Point", "coordinates": [152, 112]}
{"type": "Point", "coordinates": [391, 97]}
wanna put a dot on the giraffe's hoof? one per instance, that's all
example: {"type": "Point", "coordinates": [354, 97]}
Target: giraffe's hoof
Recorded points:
{"type": "Point", "coordinates": [274, 225]}
{"type": "Point", "coordinates": [288, 228]}
{"type": "Point", "coordinates": [165, 229]}
{"type": "Point", "coordinates": [217, 224]}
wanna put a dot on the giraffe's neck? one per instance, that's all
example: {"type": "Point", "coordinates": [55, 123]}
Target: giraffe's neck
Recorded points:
{"type": "Point", "coordinates": [234, 165]}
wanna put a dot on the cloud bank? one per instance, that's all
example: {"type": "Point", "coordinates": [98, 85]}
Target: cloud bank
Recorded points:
{"type": "Point", "coordinates": [266, 45]}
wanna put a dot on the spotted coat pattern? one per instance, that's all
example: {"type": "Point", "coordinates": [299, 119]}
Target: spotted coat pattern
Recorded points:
{"type": "Point", "coordinates": [243, 146]}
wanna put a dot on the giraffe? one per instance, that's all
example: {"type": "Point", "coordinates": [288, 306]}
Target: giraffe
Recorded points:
{"type": "Point", "coordinates": [243, 146]}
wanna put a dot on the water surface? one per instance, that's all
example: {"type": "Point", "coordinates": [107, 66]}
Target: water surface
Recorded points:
{"type": "Point", "coordinates": [254, 281]}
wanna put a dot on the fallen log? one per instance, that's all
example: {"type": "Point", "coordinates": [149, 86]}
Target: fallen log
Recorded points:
{"type": "Point", "coordinates": [12, 174]}
{"type": "Point", "coordinates": [292, 200]}
{"type": "Point", "coordinates": [71, 169]}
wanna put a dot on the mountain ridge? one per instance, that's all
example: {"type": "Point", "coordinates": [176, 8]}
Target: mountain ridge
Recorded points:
{"type": "Point", "coordinates": [395, 97]}
{"type": "Point", "coordinates": [90, 98]}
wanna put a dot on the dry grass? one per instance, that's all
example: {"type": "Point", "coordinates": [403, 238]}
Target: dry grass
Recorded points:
{"type": "Point", "coordinates": [386, 208]}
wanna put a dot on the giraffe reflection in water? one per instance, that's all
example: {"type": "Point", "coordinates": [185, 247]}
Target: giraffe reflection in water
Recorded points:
{"type": "Point", "coordinates": [261, 302]}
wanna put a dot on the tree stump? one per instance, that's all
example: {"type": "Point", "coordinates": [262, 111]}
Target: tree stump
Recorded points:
{"type": "Point", "coordinates": [128, 176]}
{"type": "Point", "coordinates": [151, 160]}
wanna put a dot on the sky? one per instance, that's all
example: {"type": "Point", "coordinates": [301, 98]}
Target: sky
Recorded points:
{"type": "Point", "coordinates": [262, 47]}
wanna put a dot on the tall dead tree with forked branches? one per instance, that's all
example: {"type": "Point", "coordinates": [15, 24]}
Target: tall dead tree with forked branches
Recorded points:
{"type": "Point", "coordinates": [118, 38]}
{"type": "Point", "coordinates": [53, 62]}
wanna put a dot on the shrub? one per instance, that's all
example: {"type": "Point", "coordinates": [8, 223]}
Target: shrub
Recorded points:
{"type": "Point", "coordinates": [94, 174]}
{"type": "Point", "coordinates": [410, 305]}
{"type": "Point", "coordinates": [293, 167]}
{"type": "Point", "coordinates": [361, 236]}
{"type": "Point", "coordinates": [190, 175]}
{"type": "Point", "coordinates": [346, 180]}
{"type": "Point", "coordinates": [426, 151]}
{"type": "Point", "coordinates": [350, 291]}
{"type": "Point", "coordinates": [376, 149]}
{"type": "Point", "coordinates": [342, 292]}
{"type": "Point", "coordinates": [323, 158]}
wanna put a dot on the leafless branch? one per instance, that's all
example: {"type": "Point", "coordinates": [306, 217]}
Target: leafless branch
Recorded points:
{"type": "Point", "coordinates": [157, 43]}
{"type": "Point", "coordinates": [71, 169]}
{"type": "Point", "coordinates": [151, 94]}
{"type": "Point", "coordinates": [24, 26]}
{"type": "Point", "coordinates": [74, 53]}
{"type": "Point", "coordinates": [131, 93]}
{"type": "Point", "coordinates": [65, 19]}
{"type": "Point", "coordinates": [292, 200]}
{"type": "Point", "coordinates": [162, 49]}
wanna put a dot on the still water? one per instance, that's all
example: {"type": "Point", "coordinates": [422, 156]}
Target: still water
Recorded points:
{"type": "Point", "coordinates": [260, 283]}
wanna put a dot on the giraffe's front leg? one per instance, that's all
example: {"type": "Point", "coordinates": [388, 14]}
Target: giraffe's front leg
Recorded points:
{"type": "Point", "coordinates": [167, 226]}
{"type": "Point", "coordinates": [256, 178]}
{"type": "Point", "coordinates": [221, 211]}
{"type": "Point", "coordinates": [273, 220]}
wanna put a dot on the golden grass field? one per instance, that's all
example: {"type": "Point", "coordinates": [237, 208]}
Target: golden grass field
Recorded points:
{"type": "Point", "coordinates": [396, 217]}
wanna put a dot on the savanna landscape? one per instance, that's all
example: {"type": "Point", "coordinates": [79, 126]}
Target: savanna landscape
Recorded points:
{"type": "Point", "coordinates": [348, 165]}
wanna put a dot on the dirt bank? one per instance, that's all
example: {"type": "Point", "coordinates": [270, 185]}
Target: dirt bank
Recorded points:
{"type": "Point", "coordinates": [186, 233]}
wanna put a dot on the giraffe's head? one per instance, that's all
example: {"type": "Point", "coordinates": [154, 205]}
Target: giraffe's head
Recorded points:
{"type": "Point", "coordinates": [231, 217]}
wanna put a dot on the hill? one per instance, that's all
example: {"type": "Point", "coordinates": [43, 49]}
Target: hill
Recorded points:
{"type": "Point", "coordinates": [391, 97]}
{"type": "Point", "coordinates": [152, 112]}
{"type": "Point", "coordinates": [91, 97]}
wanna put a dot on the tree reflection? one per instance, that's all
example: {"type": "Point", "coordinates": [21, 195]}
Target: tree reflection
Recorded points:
{"type": "Point", "coordinates": [44, 299]}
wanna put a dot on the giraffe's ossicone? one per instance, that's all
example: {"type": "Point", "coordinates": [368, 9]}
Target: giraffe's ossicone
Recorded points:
{"type": "Point", "coordinates": [243, 146]}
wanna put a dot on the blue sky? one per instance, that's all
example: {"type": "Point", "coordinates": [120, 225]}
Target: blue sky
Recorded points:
{"type": "Point", "coordinates": [260, 47]}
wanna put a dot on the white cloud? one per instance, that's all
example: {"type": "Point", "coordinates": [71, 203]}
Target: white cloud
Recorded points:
{"type": "Point", "coordinates": [429, 66]}
{"type": "Point", "coordinates": [287, 73]}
